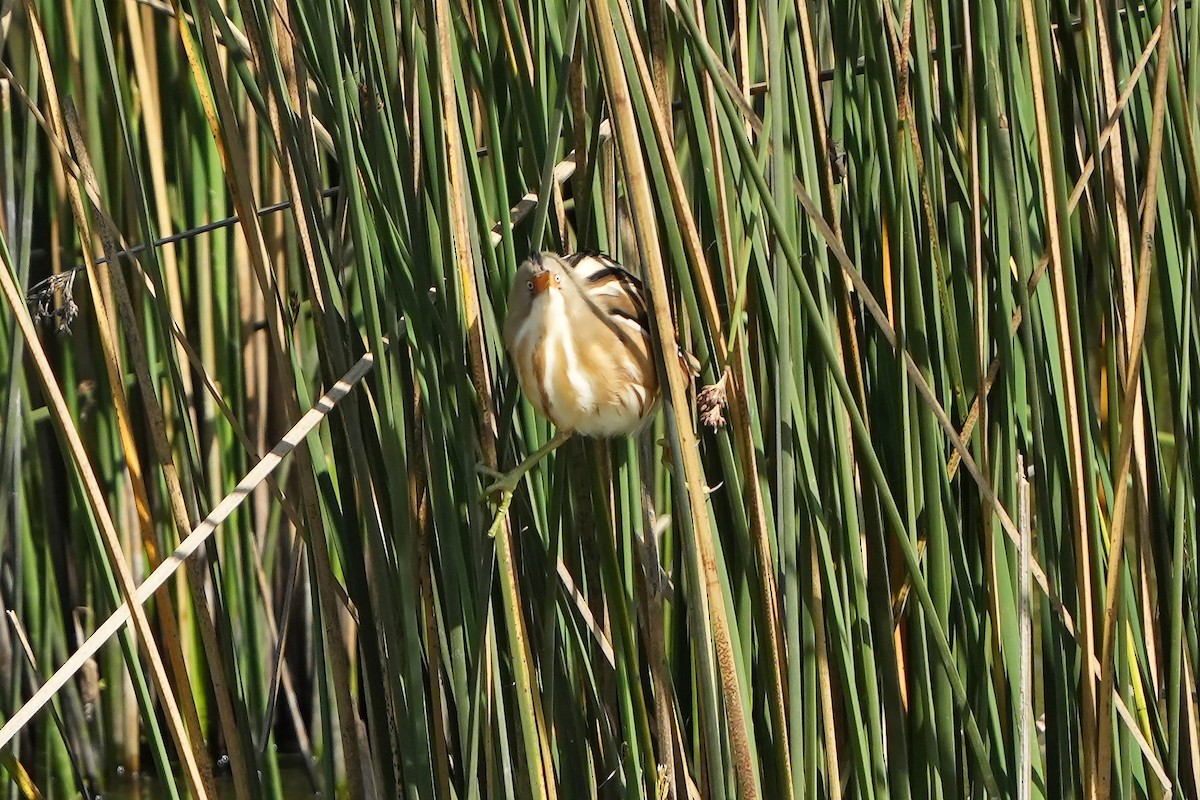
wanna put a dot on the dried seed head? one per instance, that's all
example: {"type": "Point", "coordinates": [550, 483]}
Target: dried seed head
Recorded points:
{"type": "Point", "coordinates": [41, 300]}
{"type": "Point", "coordinates": [711, 402]}
{"type": "Point", "coordinates": [64, 315]}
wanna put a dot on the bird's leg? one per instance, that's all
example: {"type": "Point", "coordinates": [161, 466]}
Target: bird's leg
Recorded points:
{"type": "Point", "coordinates": [506, 483]}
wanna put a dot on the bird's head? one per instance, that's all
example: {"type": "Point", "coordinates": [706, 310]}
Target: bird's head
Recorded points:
{"type": "Point", "coordinates": [540, 273]}
{"type": "Point", "coordinates": [538, 277]}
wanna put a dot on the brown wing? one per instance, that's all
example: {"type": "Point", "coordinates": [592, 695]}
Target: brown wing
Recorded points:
{"type": "Point", "coordinates": [610, 286]}
{"type": "Point", "coordinates": [618, 292]}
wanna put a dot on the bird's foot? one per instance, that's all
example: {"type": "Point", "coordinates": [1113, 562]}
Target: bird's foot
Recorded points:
{"type": "Point", "coordinates": [504, 485]}
{"type": "Point", "coordinates": [501, 492]}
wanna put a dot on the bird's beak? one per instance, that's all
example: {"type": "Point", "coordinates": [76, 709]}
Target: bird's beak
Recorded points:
{"type": "Point", "coordinates": [542, 281]}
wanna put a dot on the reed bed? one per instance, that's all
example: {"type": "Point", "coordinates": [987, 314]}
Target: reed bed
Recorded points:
{"type": "Point", "coordinates": [925, 526]}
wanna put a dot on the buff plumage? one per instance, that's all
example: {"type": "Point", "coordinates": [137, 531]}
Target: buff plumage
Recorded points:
{"type": "Point", "coordinates": [577, 331]}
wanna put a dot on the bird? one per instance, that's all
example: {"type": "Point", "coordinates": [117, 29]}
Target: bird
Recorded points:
{"type": "Point", "coordinates": [578, 332]}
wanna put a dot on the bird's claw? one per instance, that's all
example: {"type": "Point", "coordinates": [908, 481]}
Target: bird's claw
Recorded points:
{"type": "Point", "coordinates": [505, 484]}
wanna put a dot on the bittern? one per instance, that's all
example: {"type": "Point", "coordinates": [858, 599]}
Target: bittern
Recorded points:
{"type": "Point", "coordinates": [578, 332]}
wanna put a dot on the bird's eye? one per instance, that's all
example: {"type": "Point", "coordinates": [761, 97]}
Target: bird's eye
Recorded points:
{"type": "Point", "coordinates": [558, 279]}
{"type": "Point", "coordinates": [530, 285]}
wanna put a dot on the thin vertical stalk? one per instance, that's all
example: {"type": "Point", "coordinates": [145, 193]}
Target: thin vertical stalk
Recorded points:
{"type": "Point", "coordinates": [1130, 403]}
{"type": "Point", "coordinates": [770, 607]}
{"type": "Point", "coordinates": [1025, 699]}
{"type": "Point", "coordinates": [679, 423]}
{"type": "Point", "coordinates": [541, 777]}
{"type": "Point", "coordinates": [1081, 513]}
